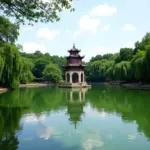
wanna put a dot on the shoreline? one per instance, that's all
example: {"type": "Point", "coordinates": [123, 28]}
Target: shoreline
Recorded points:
{"type": "Point", "coordinates": [3, 90]}
{"type": "Point", "coordinates": [131, 86]}
{"type": "Point", "coordinates": [35, 85]}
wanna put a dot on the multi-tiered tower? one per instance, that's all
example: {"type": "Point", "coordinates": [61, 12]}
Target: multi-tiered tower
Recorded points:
{"type": "Point", "coordinates": [74, 70]}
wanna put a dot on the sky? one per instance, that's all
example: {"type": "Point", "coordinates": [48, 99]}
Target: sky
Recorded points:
{"type": "Point", "coordinates": [96, 27]}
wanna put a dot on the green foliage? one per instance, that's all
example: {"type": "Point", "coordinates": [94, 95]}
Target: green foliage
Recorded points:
{"type": "Point", "coordinates": [145, 41]}
{"type": "Point", "coordinates": [8, 31]}
{"type": "Point", "coordinates": [1, 66]}
{"type": "Point", "coordinates": [131, 65]}
{"type": "Point", "coordinates": [40, 60]}
{"type": "Point", "coordinates": [109, 73]}
{"type": "Point", "coordinates": [13, 68]}
{"type": "Point", "coordinates": [97, 69]}
{"type": "Point", "coordinates": [125, 55]}
{"type": "Point", "coordinates": [138, 66]}
{"type": "Point", "coordinates": [39, 67]}
{"type": "Point", "coordinates": [107, 56]}
{"type": "Point", "coordinates": [100, 57]}
{"type": "Point", "coordinates": [97, 57]}
{"type": "Point", "coordinates": [26, 67]}
{"type": "Point", "coordinates": [147, 61]}
{"type": "Point", "coordinates": [11, 71]}
{"type": "Point", "coordinates": [52, 73]}
{"type": "Point", "coordinates": [122, 71]}
{"type": "Point", "coordinates": [34, 10]}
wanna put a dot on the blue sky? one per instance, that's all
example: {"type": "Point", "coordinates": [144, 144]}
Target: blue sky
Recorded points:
{"type": "Point", "coordinates": [96, 27]}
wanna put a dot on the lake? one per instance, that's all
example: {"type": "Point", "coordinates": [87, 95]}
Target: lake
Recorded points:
{"type": "Point", "coordinates": [51, 118]}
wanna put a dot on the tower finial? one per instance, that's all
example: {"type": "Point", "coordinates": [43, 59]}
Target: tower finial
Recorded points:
{"type": "Point", "coordinates": [73, 44]}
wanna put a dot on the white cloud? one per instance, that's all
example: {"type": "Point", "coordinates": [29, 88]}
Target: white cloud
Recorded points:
{"type": "Point", "coordinates": [104, 10]}
{"type": "Point", "coordinates": [129, 27]}
{"type": "Point", "coordinates": [131, 137]}
{"type": "Point", "coordinates": [45, 133]}
{"type": "Point", "coordinates": [87, 24]}
{"type": "Point", "coordinates": [33, 118]}
{"type": "Point", "coordinates": [45, 33]}
{"type": "Point", "coordinates": [89, 144]}
{"type": "Point", "coordinates": [32, 47]}
{"type": "Point", "coordinates": [106, 27]}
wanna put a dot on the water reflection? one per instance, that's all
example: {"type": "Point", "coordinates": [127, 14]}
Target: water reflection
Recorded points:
{"type": "Point", "coordinates": [75, 104]}
{"type": "Point", "coordinates": [74, 118]}
{"type": "Point", "coordinates": [9, 126]}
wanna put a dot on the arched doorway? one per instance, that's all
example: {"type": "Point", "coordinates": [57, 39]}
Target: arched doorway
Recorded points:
{"type": "Point", "coordinates": [82, 75]}
{"type": "Point", "coordinates": [68, 77]}
{"type": "Point", "coordinates": [75, 78]}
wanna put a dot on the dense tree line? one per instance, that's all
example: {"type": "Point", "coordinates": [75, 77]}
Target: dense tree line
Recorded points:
{"type": "Point", "coordinates": [129, 65]}
{"type": "Point", "coordinates": [18, 67]}
{"type": "Point", "coordinates": [46, 67]}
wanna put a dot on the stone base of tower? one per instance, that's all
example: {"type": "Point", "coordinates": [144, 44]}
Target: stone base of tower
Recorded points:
{"type": "Point", "coordinates": [74, 85]}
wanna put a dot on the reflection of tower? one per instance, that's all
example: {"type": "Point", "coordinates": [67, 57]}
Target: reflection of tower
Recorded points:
{"type": "Point", "coordinates": [76, 101]}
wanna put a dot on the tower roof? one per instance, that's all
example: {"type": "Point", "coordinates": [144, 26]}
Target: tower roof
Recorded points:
{"type": "Point", "coordinates": [74, 49]}
{"type": "Point", "coordinates": [74, 56]}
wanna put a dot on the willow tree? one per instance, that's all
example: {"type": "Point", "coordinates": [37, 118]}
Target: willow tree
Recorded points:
{"type": "Point", "coordinates": [138, 66]}
{"type": "Point", "coordinates": [11, 71]}
{"type": "Point", "coordinates": [96, 70]}
{"type": "Point", "coordinates": [122, 71]}
{"type": "Point", "coordinates": [147, 59]}
{"type": "Point", "coordinates": [34, 10]}
{"type": "Point", "coordinates": [109, 73]}
{"type": "Point", "coordinates": [1, 66]}
{"type": "Point", "coordinates": [25, 72]}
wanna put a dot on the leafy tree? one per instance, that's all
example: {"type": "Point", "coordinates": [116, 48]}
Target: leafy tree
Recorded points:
{"type": "Point", "coordinates": [39, 67]}
{"type": "Point", "coordinates": [25, 73]}
{"type": "Point", "coordinates": [34, 10]}
{"type": "Point", "coordinates": [145, 41]}
{"type": "Point", "coordinates": [138, 65]}
{"type": "Point", "coordinates": [122, 71]}
{"type": "Point", "coordinates": [8, 31]}
{"type": "Point", "coordinates": [1, 66]}
{"type": "Point", "coordinates": [52, 73]}
{"type": "Point", "coordinates": [11, 71]}
{"type": "Point", "coordinates": [107, 56]}
{"type": "Point", "coordinates": [137, 48]}
{"type": "Point", "coordinates": [38, 54]}
{"type": "Point", "coordinates": [97, 57]}
{"type": "Point", "coordinates": [109, 73]}
{"type": "Point", "coordinates": [147, 61]}
{"type": "Point", "coordinates": [96, 70]}
{"type": "Point", "coordinates": [125, 54]}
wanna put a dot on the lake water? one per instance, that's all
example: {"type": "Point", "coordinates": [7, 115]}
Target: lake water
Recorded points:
{"type": "Point", "coordinates": [50, 118]}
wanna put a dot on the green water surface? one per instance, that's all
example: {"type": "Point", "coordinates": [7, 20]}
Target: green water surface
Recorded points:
{"type": "Point", "coordinates": [51, 118]}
